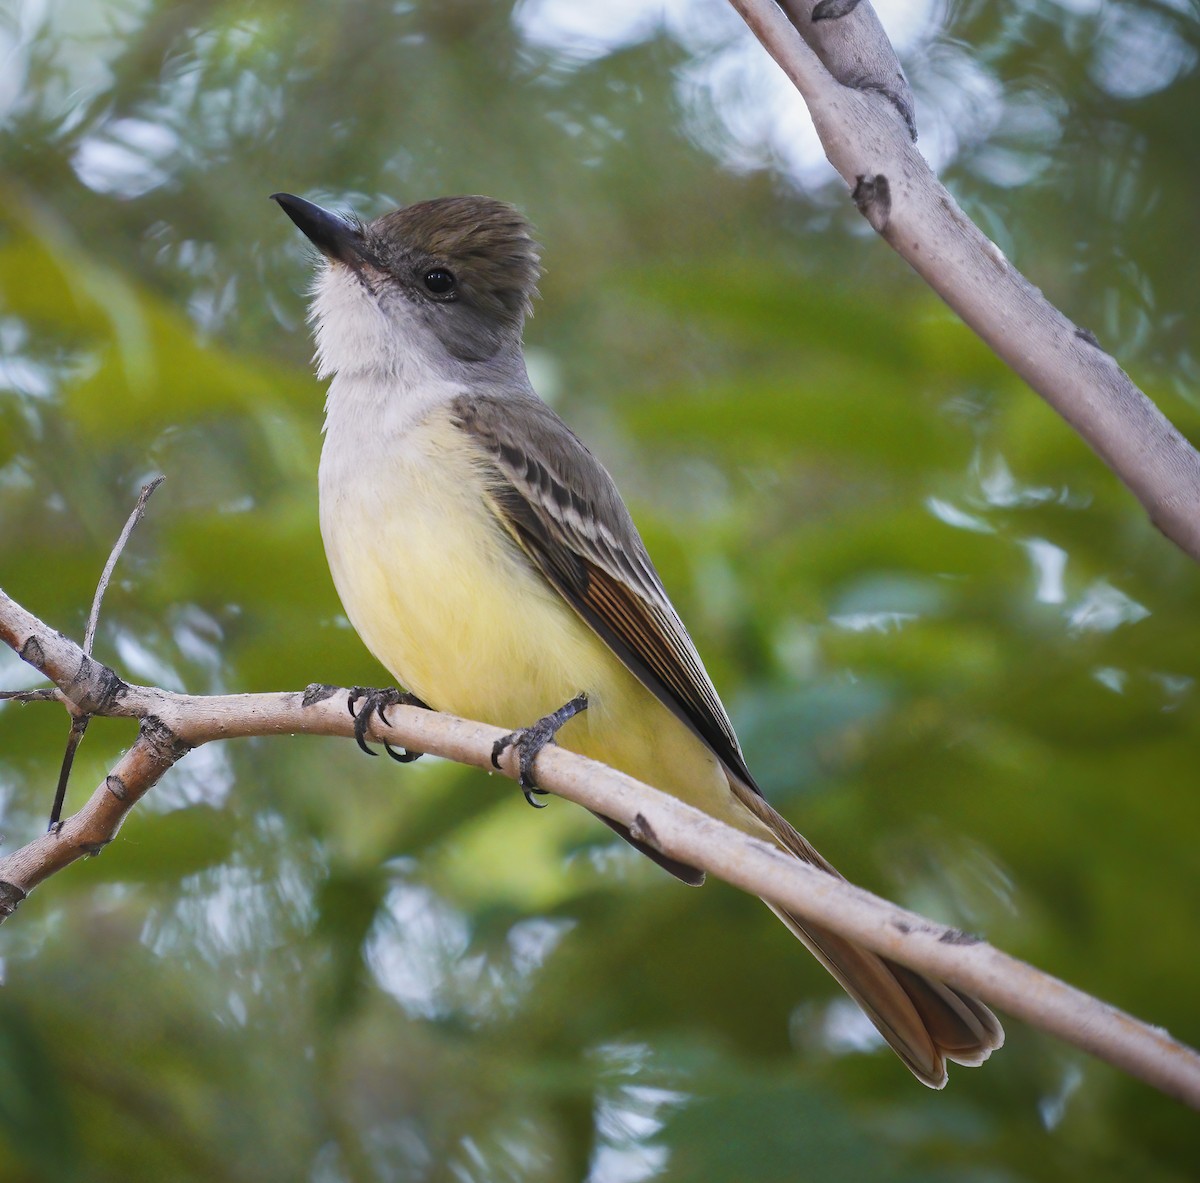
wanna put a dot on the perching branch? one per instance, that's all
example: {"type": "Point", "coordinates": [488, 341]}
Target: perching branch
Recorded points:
{"type": "Point", "coordinates": [839, 59]}
{"type": "Point", "coordinates": [171, 724]}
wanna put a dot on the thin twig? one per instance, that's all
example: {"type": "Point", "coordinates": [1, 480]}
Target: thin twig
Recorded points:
{"type": "Point", "coordinates": [44, 694]}
{"type": "Point", "coordinates": [135, 516]}
{"type": "Point", "coordinates": [80, 719]}
{"type": "Point", "coordinates": [79, 726]}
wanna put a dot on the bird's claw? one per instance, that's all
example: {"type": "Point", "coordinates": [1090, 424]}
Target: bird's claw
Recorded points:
{"type": "Point", "coordinates": [527, 751]}
{"type": "Point", "coordinates": [376, 702]}
{"type": "Point", "coordinates": [529, 742]}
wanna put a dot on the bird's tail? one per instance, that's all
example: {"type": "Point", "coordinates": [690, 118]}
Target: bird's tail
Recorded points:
{"type": "Point", "coordinates": [925, 1021]}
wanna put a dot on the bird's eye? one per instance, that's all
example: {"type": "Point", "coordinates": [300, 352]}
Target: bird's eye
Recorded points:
{"type": "Point", "coordinates": [439, 281]}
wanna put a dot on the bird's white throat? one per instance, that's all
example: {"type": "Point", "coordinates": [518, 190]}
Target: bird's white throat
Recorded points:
{"type": "Point", "coordinates": [388, 369]}
{"type": "Point", "coordinates": [359, 329]}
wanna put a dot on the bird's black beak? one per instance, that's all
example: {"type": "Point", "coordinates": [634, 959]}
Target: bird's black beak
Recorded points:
{"type": "Point", "coordinates": [332, 235]}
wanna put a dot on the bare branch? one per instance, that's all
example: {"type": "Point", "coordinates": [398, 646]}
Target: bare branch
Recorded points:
{"type": "Point", "coordinates": [80, 719]}
{"type": "Point", "coordinates": [79, 726]}
{"type": "Point", "coordinates": [171, 724]}
{"type": "Point", "coordinates": [135, 516]}
{"type": "Point", "coordinates": [906, 204]}
{"type": "Point", "coordinates": [87, 832]}
{"type": "Point", "coordinates": [848, 38]}
{"type": "Point", "coordinates": [45, 694]}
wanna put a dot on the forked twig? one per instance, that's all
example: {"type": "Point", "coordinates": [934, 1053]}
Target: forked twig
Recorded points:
{"type": "Point", "coordinates": [79, 719]}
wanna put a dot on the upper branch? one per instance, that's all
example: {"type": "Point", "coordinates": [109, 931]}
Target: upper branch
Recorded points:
{"type": "Point", "coordinates": [904, 201]}
{"type": "Point", "coordinates": [849, 40]}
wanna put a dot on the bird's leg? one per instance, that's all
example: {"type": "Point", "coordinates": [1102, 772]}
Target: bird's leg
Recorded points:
{"type": "Point", "coordinates": [529, 741]}
{"type": "Point", "coordinates": [376, 702]}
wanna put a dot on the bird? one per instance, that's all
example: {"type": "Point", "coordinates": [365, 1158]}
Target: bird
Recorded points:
{"type": "Point", "coordinates": [486, 558]}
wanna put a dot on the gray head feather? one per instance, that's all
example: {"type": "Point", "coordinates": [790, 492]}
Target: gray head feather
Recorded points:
{"type": "Point", "coordinates": [487, 249]}
{"type": "Point", "coordinates": [487, 244]}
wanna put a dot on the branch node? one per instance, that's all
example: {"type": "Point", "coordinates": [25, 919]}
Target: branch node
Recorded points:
{"type": "Point", "coordinates": [316, 692]}
{"type": "Point", "coordinates": [643, 831]}
{"type": "Point", "coordinates": [101, 686]}
{"type": "Point", "coordinates": [10, 898]}
{"type": "Point", "coordinates": [856, 52]}
{"type": "Point", "coordinates": [956, 936]}
{"type": "Point", "coordinates": [115, 785]}
{"type": "Point", "coordinates": [898, 100]}
{"type": "Point", "coordinates": [33, 654]}
{"type": "Point", "coordinates": [1088, 336]}
{"type": "Point", "coordinates": [162, 740]}
{"type": "Point", "coordinates": [92, 849]}
{"type": "Point", "coordinates": [873, 196]}
{"type": "Point", "coordinates": [832, 10]}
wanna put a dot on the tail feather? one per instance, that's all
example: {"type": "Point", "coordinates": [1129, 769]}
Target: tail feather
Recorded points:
{"type": "Point", "coordinates": [963, 1028]}
{"type": "Point", "coordinates": [925, 1021]}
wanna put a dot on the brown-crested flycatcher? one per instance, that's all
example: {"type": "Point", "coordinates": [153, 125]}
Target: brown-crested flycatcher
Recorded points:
{"type": "Point", "coordinates": [486, 558]}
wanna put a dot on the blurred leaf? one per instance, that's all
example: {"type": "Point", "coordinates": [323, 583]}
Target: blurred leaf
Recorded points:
{"type": "Point", "coordinates": [166, 847]}
{"type": "Point", "coordinates": [36, 1118]}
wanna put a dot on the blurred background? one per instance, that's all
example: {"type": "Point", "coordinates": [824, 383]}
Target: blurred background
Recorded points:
{"type": "Point", "coordinates": [959, 657]}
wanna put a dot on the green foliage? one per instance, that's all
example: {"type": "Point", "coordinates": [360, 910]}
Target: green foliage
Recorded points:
{"type": "Point", "coordinates": [957, 654]}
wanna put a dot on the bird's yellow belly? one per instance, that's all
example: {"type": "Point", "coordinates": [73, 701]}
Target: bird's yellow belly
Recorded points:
{"type": "Point", "coordinates": [460, 616]}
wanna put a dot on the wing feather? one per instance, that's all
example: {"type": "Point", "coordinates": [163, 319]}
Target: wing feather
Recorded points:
{"type": "Point", "coordinates": [563, 509]}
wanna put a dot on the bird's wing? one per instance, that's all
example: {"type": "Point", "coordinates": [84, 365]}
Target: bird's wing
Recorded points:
{"type": "Point", "coordinates": [563, 509]}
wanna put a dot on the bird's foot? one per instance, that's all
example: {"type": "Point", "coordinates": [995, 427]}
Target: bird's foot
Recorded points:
{"type": "Point", "coordinates": [529, 742]}
{"type": "Point", "coordinates": [376, 702]}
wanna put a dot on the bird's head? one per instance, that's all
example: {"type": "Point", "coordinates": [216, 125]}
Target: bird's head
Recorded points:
{"type": "Point", "coordinates": [459, 273]}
